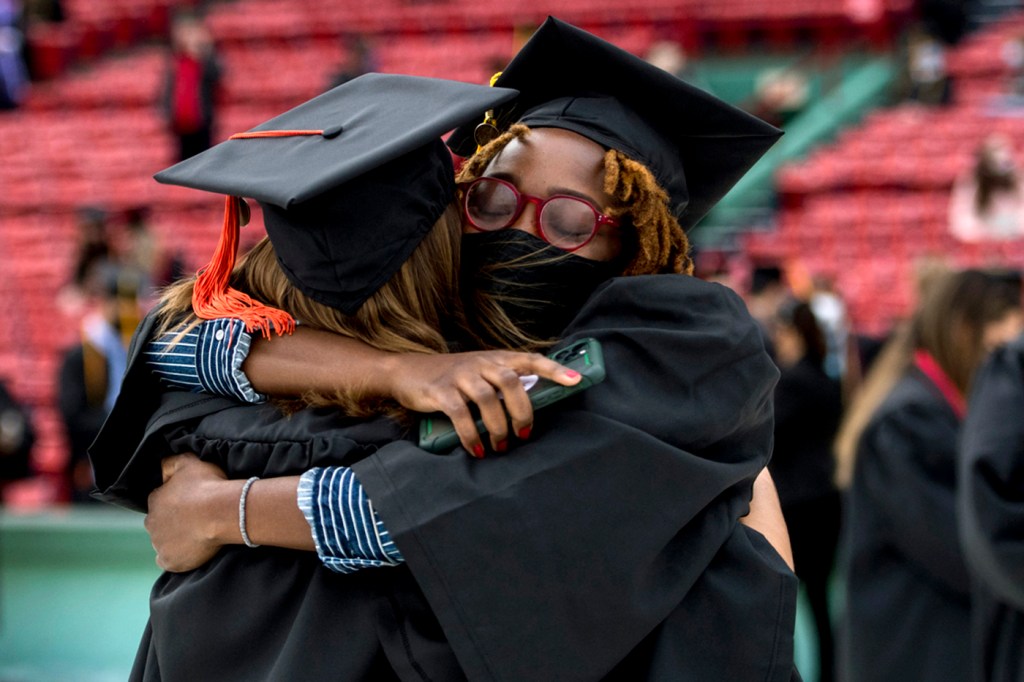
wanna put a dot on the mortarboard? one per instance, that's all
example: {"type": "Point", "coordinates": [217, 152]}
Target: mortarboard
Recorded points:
{"type": "Point", "coordinates": [350, 182]}
{"type": "Point", "coordinates": [696, 145]}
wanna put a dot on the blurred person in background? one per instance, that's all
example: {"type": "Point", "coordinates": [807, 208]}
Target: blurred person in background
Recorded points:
{"type": "Point", "coordinates": [142, 255]}
{"type": "Point", "coordinates": [907, 608]}
{"type": "Point", "coordinates": [16, 439]}
{"type": "Point", "coordinates": [190, 84]}
{"type": "Point", "coordinates": [359, 58]}
{"type": "Point", "coordinates": [990, 493]}
{"type": "Point", "coordinates": [669, 55]}
{"type": "Point", "coordinates": [91, 371]}
{"type": "Point", "coordinates": [808, 407]}
{"type": "Point", "coordinates": [93, 251]}
{"type": "Point", "coordinates": [925, 77]}
{"type": "Point", "coordinates": [987, 200]}
{"type": "Point", "coordinates": [13, 71]}
{"type": "Point", "coordinates": [766, 293]}
{"type": "Point", "coordinates": [780, 95]}
{"type": "Point", "coordinates": [830, 311]}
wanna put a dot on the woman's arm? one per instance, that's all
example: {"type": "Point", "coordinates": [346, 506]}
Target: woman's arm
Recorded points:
{"type": "Point", "coordinates": [217, 358]}
{"type": "Point", "coordinates": [765, 516]}
{"type": "Point", "coordinates": [197, 511]}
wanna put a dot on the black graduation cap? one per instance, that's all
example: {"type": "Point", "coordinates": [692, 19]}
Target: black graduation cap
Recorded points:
{"type": "Point", "coordinates": [696, 145]}
{"type": "Point", "coordinates": [350, 182]}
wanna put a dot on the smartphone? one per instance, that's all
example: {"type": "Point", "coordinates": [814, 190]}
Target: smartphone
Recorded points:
{"type": "Point", "coordinates": [438, 435]}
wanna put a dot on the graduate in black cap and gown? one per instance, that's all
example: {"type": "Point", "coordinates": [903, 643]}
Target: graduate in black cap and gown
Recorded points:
{"type": "Point", "coordinates": [908, 596]}
{"type": "Point", "coordinates": [569, 558]}
{"type": "Point", "coordinates": [990, 512]}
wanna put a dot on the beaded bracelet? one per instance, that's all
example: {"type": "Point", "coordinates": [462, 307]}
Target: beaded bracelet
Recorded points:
{"type": "Point", "coordinates": [241, 511]}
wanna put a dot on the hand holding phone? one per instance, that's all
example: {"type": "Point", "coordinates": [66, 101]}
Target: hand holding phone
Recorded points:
{"type": "Point", "coordinates": [437, 434]}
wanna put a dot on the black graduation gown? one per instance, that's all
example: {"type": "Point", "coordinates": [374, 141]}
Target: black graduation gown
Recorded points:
{"type": "Point", "coordinates": [991, 514]}
{"type": "Point", "coordinates": [907, 593]}
{"type": "Point", "coordinates": [606, 547]}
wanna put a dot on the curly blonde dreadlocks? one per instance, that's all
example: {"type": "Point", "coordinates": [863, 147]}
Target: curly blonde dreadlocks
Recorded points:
{"type": "Point", "coordinates": [657, 243]}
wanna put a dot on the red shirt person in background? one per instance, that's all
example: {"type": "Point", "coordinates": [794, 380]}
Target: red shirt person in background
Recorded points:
{"type": "Point", "coordinates": [190, 85]}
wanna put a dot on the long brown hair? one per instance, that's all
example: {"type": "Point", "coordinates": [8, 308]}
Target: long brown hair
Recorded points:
{"type": "Point", "coordinates": [949, 323]}
{"type": "Point", "coordinates": [406, 315]}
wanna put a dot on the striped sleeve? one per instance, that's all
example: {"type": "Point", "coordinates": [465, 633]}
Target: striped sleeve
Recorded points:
{"type": "Point", "coordinates": [347, 532]}
{"type": "Point", "coordinates": [207, 359]}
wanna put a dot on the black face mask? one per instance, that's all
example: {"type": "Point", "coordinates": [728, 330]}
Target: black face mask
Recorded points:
{"type": "Point", "coordinates": [540, 287]}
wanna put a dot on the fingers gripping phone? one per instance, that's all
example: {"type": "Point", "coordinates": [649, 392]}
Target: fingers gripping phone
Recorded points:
{"type": "Point", "coordinates": [437, 434]}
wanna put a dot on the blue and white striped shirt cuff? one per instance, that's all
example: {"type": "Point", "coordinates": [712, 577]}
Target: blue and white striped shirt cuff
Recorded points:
{"type": "Point", "coordinates": [207, 359]}
{"type": "Point", "coordinates": [347, 531]}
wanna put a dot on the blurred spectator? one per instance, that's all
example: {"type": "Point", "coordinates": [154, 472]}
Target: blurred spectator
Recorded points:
{"type": "Point", "coordinates": [190, 85]}
{"type": "Point", "coordinates": [358, 59]}
{"type": "Point", "coordinates": [808, 406]}
{"type": "Point", "coordinates": [991, 514]}
{"type": "Point", "coordinates": [779, 95]}
{"type": "Point", "coordinates": [669, 55]}
{"type": "Point", "coordinates": [830, 311]}
{"type": "Point", "coordinates": [925, 78]}
{"type": "Point", "coordinates": [907, 609]}
{"type": "Point", "coordinates": [987, 200]}
{"type": "Point", "coordinates": [16, 439]}
{"type": "Point", "coordinates": [90, 372]}
{"type": "Point", "coordinates": [1013, 57]}
{"type": "Point", "coordinates": [765, 295]}
{"type": "Point", "coordinates": [142, 255]}
{"type": "Point", "coordinates": [13, 71]}
{"type": "Point", "coordinates": [93, 251]}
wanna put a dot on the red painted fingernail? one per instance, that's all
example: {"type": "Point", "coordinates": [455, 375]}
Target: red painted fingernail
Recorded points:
{"type": "Point", "coordinates": [571, 373]}
{"type": "Point", "coordinates": [502, 446]}
{"type": "Point", "coordinates": [524, 432]}
{"type": "Point", "coordinates": [478, 451]}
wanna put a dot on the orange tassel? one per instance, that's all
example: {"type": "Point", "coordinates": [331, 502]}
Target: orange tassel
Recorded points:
{"type": "Point", "coordinates": [213, 299]}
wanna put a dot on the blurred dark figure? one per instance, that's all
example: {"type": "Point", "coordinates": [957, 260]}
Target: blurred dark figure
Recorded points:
{"type": "Point", "coordinates": [13, 71]}
{"type": "Point", "coordinates": [991, 514]}
{"type": "Point", "coordinates": [765, 295]}
{"type": "Point", "coordinates": [907, 613]}
{"type": "Point", "coordinates": [945, 19]}
{"type": "Point", "coordinates": [987, 200]}
{"type": "Point", "coordinates": [808, 407]}
{"type": "Point", "coordinates": [925, 76]}
{"type": "Point", "coordinates": [190, 85]}
{"type": "Point", "coordinates": [93, 243]}
{"type": "Point", "coordinates": [142, 255]}
{"type": "Point", "coordinates": [359, 58]}
{"type": "Point", "coordinates": [91, 371]}
{"type": "Point", "coordinates": [16, 439]}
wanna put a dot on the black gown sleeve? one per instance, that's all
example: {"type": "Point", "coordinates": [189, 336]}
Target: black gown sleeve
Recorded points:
{"type": "Point", "coordinates": [991, 476]}
{"type": "Point", "coordinates": [906, 462]}
{"type": "Point", "coordinates": [587, 537]}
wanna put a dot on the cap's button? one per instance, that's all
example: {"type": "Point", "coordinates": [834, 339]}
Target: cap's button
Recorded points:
{"type": "Point", "coordinates": [333, 131]}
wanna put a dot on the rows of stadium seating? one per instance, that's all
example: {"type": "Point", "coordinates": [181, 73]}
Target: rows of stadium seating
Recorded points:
{"type": "Point", "coordinates": [865, 208]}
{"type": "Point", "coordinates": [95, 28]}
{"type": "Point", "coordinates": [94, 136]}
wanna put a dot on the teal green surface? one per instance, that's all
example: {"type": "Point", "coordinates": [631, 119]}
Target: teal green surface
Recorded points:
{"type": "Point", "coordinates": [74, 591]}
